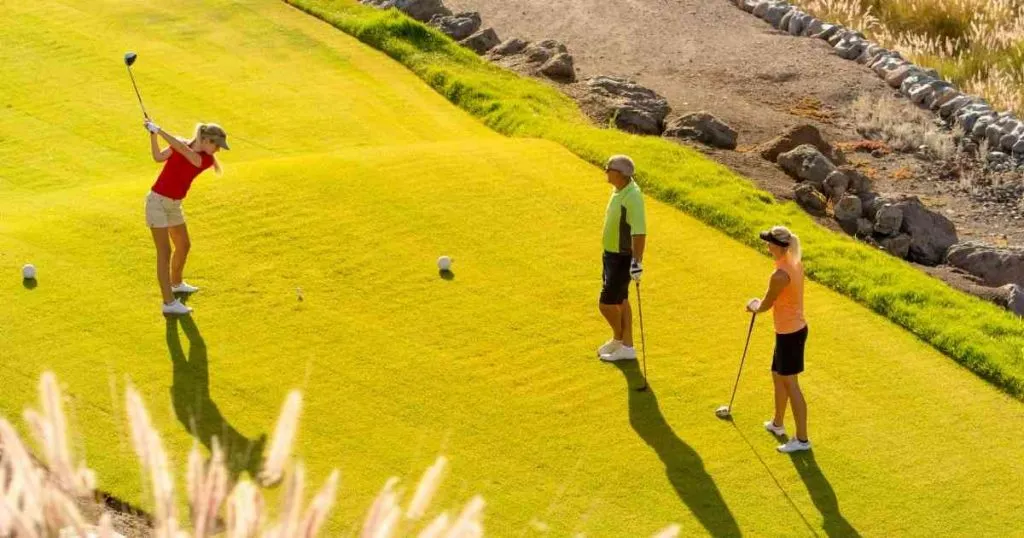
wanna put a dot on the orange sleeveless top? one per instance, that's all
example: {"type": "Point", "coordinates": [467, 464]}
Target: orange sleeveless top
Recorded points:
{"type": "Point", "coordinates": [788, 309]}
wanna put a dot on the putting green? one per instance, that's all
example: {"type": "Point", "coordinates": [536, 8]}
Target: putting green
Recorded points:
{"type": "Point", "coordinates": [348, 179]}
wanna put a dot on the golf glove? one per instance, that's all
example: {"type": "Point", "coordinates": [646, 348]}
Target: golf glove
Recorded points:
{"type": "Point", "coordinates": [754, 305]}
{"type": "Point", "coordinates": [152, 127]}
{"type": "Point", "coordinates": [636, 270]}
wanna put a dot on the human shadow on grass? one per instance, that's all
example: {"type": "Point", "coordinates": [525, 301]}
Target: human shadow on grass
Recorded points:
{"type": "Point", "coordinates": [683, 466]}
{"type": "Point", "coordinates": [823, 496]}
{"type": "Point", "coordinates": [196, 410]}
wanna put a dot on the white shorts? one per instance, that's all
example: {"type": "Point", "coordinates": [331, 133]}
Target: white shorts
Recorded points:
{"type": "Point", "coordinates": [163, 212]}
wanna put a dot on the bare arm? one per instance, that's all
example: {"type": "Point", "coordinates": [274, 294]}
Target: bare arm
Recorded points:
{"type": "Point", "coordinates": [777, 283]}
{"type": "Point", "coordinates": [182, 148]}
{"type": "Point", "coordinates": [639, 244]}
{"type": "Point", "coordinates": [158, 154]}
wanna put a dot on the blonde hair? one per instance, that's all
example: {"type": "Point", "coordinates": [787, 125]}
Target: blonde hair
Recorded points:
{"type": "Point", "coordinates": [199, 135]}
{"type": "Point", "coordinates": [793, 251]}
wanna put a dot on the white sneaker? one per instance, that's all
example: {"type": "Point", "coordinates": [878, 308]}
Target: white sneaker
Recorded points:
{"type": "Point", "coordinates": [794, 445]}
{"type": "Point", "coordinates": [622, 354]}
{"type": "Point", "coordinates": [176, 308]}
{"type": "Point", "coordinates": [609, 347]}
{"type": "Point", "coordinates": [778, 431]}
{"type": "Point", "coordinates": [184, 287]}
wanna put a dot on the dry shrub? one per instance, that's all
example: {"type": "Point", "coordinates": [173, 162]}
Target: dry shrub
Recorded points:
{"type": "Point", "coordinates": [902, 128]}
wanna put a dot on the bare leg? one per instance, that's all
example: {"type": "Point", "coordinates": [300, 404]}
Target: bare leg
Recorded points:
{"type": "Point", "coordinates": [781, 399]}
{"type": "Point", "coordinates": [627, 324]}
{"type": "Point", "coordinates": [799, 405]}
{"type": "Point", "coordinates": [163, 262]}
{"type": "Point", "coordinates": [182, 244]}
{"type": "Point", "coordinates": [613, 313]}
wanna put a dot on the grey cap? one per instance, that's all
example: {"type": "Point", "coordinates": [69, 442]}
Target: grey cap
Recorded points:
{"type": "Point", "coordinates": [622, 164]}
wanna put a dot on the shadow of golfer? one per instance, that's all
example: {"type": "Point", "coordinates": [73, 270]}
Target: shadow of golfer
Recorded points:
{"type": "Point", "coordinates": [190, 394]}
{"type": "Point", "coordinates": [683, 466]}
{"type": "Point", "coordinates": [823, 495]}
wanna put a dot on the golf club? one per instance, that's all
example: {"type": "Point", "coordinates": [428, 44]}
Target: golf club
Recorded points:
{"type": "Point", "coordinates": [129, 59]}
{"type": "Point", "coordinates": [725, 412]}
{"type": "Point", "coordinates": [643, 342]}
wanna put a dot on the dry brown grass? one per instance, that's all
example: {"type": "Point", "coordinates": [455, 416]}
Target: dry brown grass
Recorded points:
{"type": "Point", "coordinates": [902, 128]}
{"type": "Point", "coordinates": [976, 44]}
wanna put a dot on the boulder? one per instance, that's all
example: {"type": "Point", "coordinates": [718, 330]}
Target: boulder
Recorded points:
{"type": "Point", "coordinates": [931, 233]}
{"type": "Point", "coordinates": [898, 246]}
{"type": "Point", "coordinates": [560, 67]}
{"type": "Point", "coordinates": [888, 219]}
{"type": "Point", "coordinates": [634, 108]}
{"type": "Point", "coordinates": [542, 51]}
{"type": "Point", "coordinates": [997, 266]}
{"type": "Point", "coordinates": [848, 209]}
{"type": "Point", "coordinates": [482, 41]}
{"type": "Point", "coordinates": [796, 136]}
{"type": "Point", "coordinates": [507, 48]}
{"type": "Point", "coordinates": [865, 227]}
{"type": "Point", "coordinates": [898, 76]}
{"type": "Point", "coordinates": [775, 12]}
{"type": "Point", "coordinates": [857, 183]}
{"type": "Point", "coordinates": [1015, 301]}
{"type": "Point", "coordinates": [851, 47]}
{"type": "Point", "coordinates": [806, 163]}
{"type": "Point", "coordinates": [809, 198]}
{"type": "Point", "coordinates": [827, 31]}
{"type": "Point", "coordinates": [702, 127]}
{"type": "Point", "coordinates": [458, 26]}
{"type": "Point", "coordinates": [421, 10]}
{"type": "Point", "coordinates": [813, 27]}
{"type": "Point", "coordinates": [836, 185]}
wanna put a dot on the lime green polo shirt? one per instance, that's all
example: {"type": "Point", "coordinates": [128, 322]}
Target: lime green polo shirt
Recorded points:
{"type": "Point", "coordinates": [624, 218]}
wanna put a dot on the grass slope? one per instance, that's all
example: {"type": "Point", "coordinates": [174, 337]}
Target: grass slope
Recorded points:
{"type": "Point", "coordinates": [353, 202]}
{"type": "Point", "coordinates": [981, 336]}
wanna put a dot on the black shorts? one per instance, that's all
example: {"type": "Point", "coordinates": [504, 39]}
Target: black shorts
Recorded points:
{"type": "Point", "coordinates": [615, 278]}
{"type": "Point", "coordinates": [789, 352]}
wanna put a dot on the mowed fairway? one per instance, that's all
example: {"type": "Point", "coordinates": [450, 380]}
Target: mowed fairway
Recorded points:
{"type": "Point", "coordinates": [348, 179]}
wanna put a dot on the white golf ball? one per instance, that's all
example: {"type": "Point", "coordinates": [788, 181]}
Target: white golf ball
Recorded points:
{"type": "Point", "coordinates": [28, 271]}
{"type": "Point", "coordinates": [444, 263]}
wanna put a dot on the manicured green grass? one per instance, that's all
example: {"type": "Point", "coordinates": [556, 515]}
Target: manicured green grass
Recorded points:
{"type": "Point", "coordinates": [982, 337]}
{"type": "Point", "coordinates": [353, 202]}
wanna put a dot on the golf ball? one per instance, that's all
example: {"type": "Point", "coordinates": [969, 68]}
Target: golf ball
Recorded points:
{"type": "Point", "coordinates": [444, 263]}
{"type": "Point", "coordinates": [28, 271]}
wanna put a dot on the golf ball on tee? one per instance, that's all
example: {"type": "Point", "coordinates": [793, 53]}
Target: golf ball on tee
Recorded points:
{"type": "Point", "coordinates": [444, 263]}
{"type": "Point", "coordinates": [28, 271]}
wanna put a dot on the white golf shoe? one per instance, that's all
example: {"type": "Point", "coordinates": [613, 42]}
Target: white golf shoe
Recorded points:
{"type": "Point", "coordinates": [609, 347]}
{"type": "Point", "coordinates": [778, 431]}
{"type": "Point", "coordinates": [184, 287]}
{"type": "Point", "coordinates": [794, 445]}
{"type": "Point", "coordinates": [622, 354]}
{"type": "Point", "coordinates": [176, 308]}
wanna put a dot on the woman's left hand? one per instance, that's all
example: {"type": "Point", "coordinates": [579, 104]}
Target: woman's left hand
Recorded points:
{"type": "Point", "coordinates": [753, 305]}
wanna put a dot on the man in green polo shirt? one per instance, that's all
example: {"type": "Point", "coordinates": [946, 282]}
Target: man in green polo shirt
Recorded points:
{"type": "Point", "coordinates": [625, 235]}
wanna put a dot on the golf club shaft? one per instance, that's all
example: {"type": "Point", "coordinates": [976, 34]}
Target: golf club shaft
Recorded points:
{"type": "Point", "coordinates": [746, 346]}
{"type": "Point", "coordinates": [137, 94]}
{"type": "Point", "coordinates": [643, 341]}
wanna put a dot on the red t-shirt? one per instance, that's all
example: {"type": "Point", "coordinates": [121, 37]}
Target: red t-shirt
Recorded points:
{"type": "Point", "coordinates": [178, 173]}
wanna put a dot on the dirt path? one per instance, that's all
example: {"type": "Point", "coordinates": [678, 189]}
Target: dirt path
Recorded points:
{"type": "Point", "coordinates": [710, 55]}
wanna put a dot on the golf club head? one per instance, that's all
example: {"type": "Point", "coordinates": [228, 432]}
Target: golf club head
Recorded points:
{"type": "Point", "coordinates": [724, 413]}
{"type": "Point", "coordinates": [643, 388]}
{"type": "Point", "coordinates": [129, 58]}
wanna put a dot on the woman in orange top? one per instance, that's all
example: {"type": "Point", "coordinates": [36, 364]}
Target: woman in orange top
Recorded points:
{"type": "Point", "coordinates": [785, 298]}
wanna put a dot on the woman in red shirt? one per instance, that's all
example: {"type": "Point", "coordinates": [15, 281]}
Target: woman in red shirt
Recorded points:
{"type": "Point", "coordinates": [183, 161]}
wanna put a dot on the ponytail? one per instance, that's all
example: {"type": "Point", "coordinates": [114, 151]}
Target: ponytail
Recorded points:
{"type": "Point", "coordinates": [794, 252]}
